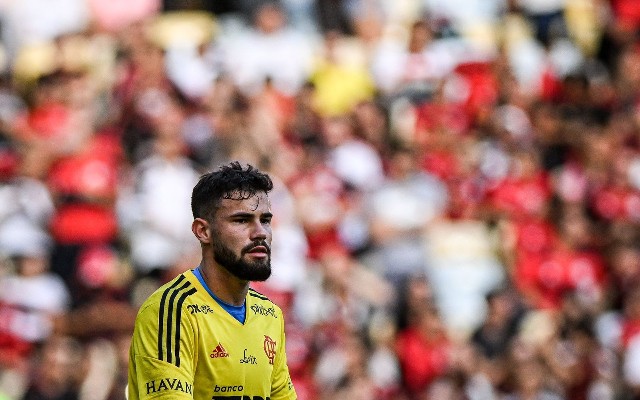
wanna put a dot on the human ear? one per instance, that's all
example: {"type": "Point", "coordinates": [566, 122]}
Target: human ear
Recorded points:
{"type": "Point", "coordinates": [200, 228]}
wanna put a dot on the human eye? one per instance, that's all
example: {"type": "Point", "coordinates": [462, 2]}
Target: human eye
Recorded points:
{"type": "Point", "coordinates": [241, 220]}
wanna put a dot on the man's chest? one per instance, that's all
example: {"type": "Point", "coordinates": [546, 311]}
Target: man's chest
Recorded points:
{"type": "Point", "coordinates": [235, 359]}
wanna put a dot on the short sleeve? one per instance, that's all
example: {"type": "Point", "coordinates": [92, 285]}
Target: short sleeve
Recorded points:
{"type": "Point", "coordinates": [161, 357]}
{"type": "Point", "coordinates": [281, 386]}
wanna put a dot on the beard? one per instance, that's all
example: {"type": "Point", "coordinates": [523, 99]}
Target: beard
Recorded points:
{"type": "Point", "coordinates": [259, 270]}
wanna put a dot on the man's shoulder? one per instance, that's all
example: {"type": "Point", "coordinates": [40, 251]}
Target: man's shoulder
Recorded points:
{"type": "Point", "coordinates": [262, 304]}
{"type": "Point", "coordinates": [173, 293]}
{"type": "Point", "coordinates": [257, 296]}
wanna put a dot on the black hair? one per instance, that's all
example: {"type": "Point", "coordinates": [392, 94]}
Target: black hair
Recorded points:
{"type": "Point", "coordinates": [231, 181]}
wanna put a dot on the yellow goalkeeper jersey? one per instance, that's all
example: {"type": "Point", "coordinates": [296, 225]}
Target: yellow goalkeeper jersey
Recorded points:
{"type": "Point", "coordinates": [185, 345]}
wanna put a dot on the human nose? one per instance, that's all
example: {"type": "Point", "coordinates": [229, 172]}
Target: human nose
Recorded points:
{"type": "Point", "coordinates": [259, 231]}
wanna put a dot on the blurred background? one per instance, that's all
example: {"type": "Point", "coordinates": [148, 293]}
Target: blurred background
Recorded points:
{"type": "Point", "coordinates": [457, 187]}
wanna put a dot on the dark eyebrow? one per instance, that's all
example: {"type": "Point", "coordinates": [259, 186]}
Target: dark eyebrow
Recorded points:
{"type": "Point", "coordinates": [242, 214]}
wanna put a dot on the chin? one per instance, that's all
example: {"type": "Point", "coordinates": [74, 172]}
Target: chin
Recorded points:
{"type": "Point", "coordinates": [255, 272]}
{"type": "Point", "coordinates": [260, 275]}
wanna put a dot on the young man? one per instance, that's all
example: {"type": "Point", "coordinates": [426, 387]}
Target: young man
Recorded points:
{"type": "Point", "coordinates": [207, 334]}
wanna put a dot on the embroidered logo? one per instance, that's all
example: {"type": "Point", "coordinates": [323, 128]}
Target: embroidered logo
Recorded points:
{"type": "Point", "coordinates": [199, 309]}
{"type": "Point", "coordinates": [269, 348]}
{"type": "Point", "coordinates": [258, 309]}
{"type": "Point", "coordinates": [219, 352]}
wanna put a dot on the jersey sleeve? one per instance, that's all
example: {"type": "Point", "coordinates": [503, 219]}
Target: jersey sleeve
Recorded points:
{"type": "Point", "coordinates": [161, 356]}
{"type": "Point", "coordinates": [281, 385]}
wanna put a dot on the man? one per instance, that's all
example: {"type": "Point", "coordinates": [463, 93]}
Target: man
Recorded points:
{"type": "Point", "coordinates": [207, 334]}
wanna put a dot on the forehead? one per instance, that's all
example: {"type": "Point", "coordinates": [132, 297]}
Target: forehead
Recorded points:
{"type": "Point", "coordinates": [256, 204]}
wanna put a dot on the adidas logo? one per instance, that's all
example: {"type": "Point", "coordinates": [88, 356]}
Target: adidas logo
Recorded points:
{"type": "Point", "coordinates": [219, 352]}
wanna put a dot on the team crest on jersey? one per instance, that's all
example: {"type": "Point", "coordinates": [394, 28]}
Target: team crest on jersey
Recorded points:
{"type": "Point", "coordinates": [219, 352]}
{"type": "Point", "coordinates": [270, 348]}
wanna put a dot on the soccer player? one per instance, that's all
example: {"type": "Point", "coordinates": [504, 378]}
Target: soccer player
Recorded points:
{"type": "Point", "coordinates": [206, 334]}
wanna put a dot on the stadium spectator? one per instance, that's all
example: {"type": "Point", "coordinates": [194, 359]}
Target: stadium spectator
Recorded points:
{"type": "Point", "coordinates": [399, 211]}
{"type": "Point", "coordinates": [148, 207]}
{"type": "Point", "coordinates": [264, 53]}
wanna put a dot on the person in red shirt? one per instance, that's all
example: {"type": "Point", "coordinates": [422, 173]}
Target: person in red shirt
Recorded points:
{"type": "Point", "coordinates": [83, 184]}
{"type": "Point", "coordinates": [319, 195]}
{"type": "Point", "coordinates": [423, 350]}
{"type": "Point", "coordinates": [573, 263]}
{"type": "Point", "coordinates": [616, 199]}
{"type": "Point", "coordinates": [525, 191]}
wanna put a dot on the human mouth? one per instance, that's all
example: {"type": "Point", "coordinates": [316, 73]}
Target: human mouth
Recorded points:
{"type": "Point", "coordinates": [259, 251]}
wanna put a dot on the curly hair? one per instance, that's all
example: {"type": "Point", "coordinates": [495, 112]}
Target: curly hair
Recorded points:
{"type": "Point", "coordinates": [231, 181]}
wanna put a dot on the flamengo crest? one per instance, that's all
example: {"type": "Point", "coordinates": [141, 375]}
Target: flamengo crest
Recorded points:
{"type": "Point", "coordinates": [270, 348]}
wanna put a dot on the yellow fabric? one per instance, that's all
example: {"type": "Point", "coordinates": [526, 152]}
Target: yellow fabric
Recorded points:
{"type": "Point", "coordinates": [339, 88]}
{"type": "Point", "coordinates": [183, 27]}
{"type": "Point", "coordinates": [583, 24]}
{"type": "Point", "coordinates": [186, 346]}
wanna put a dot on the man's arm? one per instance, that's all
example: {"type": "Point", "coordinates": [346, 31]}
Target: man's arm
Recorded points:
{"type": "Point", "coordinates": [161, 357]}
{"type": "Point", "coordinates": [281, 385]}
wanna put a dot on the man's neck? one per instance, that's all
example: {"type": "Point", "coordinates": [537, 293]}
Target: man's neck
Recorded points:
{"type": "Point", "coordinates": [224, 284]}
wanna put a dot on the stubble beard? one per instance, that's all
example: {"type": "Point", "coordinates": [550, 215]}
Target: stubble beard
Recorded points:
{"type": "Point", "coordinates": [257, 271]}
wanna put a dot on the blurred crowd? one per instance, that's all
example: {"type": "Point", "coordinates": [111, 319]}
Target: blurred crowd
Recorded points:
{"type": "Point", "coordinates": [457, 187]}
